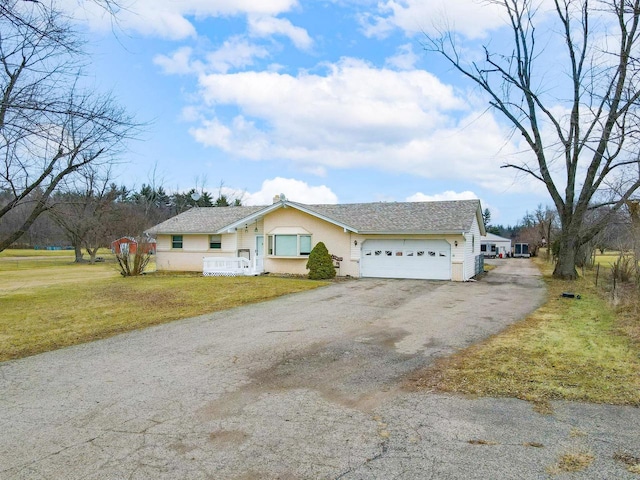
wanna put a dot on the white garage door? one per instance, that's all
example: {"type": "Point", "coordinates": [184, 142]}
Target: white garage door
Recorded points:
{"type": "Point", "coordinates": [427, 259]}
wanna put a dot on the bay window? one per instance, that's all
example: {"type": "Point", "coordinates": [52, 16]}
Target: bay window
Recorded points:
{"type": "Point", "coordinates": [289, 245]}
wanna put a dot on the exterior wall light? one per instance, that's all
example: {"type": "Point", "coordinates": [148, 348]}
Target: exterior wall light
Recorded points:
{"type": "Point", "coordinates": [355, 242]}
{"type": "Point", "coordinates": [456, 243]}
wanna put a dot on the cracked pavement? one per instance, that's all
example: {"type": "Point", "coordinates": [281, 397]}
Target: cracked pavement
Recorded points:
{"type": "Point", "coordinates": [306, 386]}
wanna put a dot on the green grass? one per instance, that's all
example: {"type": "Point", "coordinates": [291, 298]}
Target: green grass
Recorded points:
{"type": "Point", "coordinates": [567, 349]}
{"type": "Point", "coordinates": [24, 252]}
{"type": "Point", "coordinates": [53, 306]}
{"type": "Point", "coordinates": [23, 259]}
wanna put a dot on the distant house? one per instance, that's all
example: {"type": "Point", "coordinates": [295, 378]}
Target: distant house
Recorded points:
{"type": "Point", "coordinates": [493, 246]}
{"type": "Point", "coordinates": [130, 245]}
{"type": "Point", "coordinates": [424, 240]}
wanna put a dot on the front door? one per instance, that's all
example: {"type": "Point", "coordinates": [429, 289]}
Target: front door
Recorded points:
{"type": "Point", "coordinates": [259, 245]}
{"type": "Point", "coordinates": [259, 253]}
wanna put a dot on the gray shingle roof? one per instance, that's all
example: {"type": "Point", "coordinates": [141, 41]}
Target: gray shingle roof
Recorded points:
{"type": "Point", "coordinates": [403, 217]}
{"type": "Point", "coordinates": [382, 217]}
{"type": "Point", "coordinates": [203, 220]}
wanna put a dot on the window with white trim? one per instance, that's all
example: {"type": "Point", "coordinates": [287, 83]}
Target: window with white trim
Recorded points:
{"type": "Point", "coordinates": [176, 241]}
{"type": "Point", "coordinates": [289, 245]}
{"type": "Point", "coordinates": [215, 242]}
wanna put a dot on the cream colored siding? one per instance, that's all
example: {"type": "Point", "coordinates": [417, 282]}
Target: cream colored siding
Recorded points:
{"type": "Point", "coordinates": [472, 249]}
{"type": "Point", "coordinates": [457, 272]}
{"type": "Point", "coordinates": [334, 237]}
{"type": "Point", "coordinates": [228, 243]}
{"type": "Point", "coordinates": [194, 248]}
{"type": "Point", "coordinates": [457, 257]}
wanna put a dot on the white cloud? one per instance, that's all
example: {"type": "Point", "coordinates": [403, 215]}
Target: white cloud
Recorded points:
{"type": "Point", "coordinates": [269, 26]}
{"type": "Point", "coordinates": [444, 196]}
{"type": "Point", "coordinates": [235, 53]}
{"type": "Point", "coordinates": [404, 59]}
{"type": "Point", "coordinates": [470, 17]}
{"type": "Point", "coordinates": [178, 63]}
{"type": "Point", "coordinates": [294, 190]}
{"type": "Point", "coordinates": [168, 18]}
{"type": "Point", "coordinates": [357, 116]}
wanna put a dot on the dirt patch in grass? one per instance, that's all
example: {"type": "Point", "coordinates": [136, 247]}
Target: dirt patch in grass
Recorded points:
{"type": "Point", "coordinates": [567, 349]}
{"type": "Point", "coordinates": [88, 302]}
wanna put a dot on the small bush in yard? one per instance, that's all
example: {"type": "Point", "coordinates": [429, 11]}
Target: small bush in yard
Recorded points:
{"type": "Point", "coordinates": [133, 264]}
{"type": "Point", "coordinates": [320, 265]}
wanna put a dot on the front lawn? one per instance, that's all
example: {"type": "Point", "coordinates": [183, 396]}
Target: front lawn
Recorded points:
{"type": "Point", "coordinates": [46, 306]}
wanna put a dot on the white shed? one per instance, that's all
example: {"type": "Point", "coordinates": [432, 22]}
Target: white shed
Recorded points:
{"type": "Point", "coordinates": [493, 246]}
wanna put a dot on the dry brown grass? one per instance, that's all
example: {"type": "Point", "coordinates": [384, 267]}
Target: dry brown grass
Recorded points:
{"type": "Point", "coordinates": [567, 349]}
{"type": "Point", "coordinates": [45, 308]}
{"type": "Point", "coordinates": [572, 462]}
{"type": "Point", "coordinates": [632, 463]}
{"type": "Point", "coordinates": [481, 442]}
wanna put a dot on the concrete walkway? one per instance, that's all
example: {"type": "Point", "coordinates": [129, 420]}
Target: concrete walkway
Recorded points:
{"type": "Point", "coordinates": [305, 386]}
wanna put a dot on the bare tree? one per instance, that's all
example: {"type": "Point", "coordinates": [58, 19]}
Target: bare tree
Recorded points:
{"type": "Point", "coordinates": [84, 208]}
{"type": "Point", "coordinates": [580, 125]}
{"type": "Point", "coordinates": [50, 126]}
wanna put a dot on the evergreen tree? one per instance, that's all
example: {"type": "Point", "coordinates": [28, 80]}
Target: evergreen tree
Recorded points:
{"type": "Point", "coordinates": [320, 265]}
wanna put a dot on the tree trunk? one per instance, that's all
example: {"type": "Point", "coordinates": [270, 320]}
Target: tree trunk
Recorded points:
{"type": "Point", "coordinates": [92, 254]}
{"type": "Point", "coordinates": [78, 249]}
{"type": "Point", "coordinates": [634, 213]}
{"type": "Point", "coordinates": [565, 268]}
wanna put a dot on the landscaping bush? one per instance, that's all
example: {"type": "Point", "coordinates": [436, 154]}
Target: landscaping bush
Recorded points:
{"type": "Point", "coordinates": [320, 264]}
{"type": "Point", "coordinates": [133, 264]}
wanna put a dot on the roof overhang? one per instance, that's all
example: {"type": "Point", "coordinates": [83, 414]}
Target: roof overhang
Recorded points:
{"type": "Point", "coordinates": [405, 232]}
{"type": "Point", "coordinates": [483, 230]}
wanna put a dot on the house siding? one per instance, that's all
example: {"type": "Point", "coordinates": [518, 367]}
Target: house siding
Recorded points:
{"type": "Point", "coordinates": [471, 250]}
{"type": "Point", "coordinates": [334, 237]}
{"type": "Point", "coordinates": [194, 248]}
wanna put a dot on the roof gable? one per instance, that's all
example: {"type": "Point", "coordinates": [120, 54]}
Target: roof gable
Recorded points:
{"type": "Point", "coordinates": [496, 238]}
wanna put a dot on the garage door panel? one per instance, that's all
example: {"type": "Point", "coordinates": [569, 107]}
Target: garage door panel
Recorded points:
{"type": "Point", "coordinates": [410, 258]}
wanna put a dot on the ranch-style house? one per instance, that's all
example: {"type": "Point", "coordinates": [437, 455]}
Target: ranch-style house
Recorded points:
{"type": "Point", "coordinates": [420, 240]}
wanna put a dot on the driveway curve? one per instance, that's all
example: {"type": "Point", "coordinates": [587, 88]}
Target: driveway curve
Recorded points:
{"type": "Point", "coordinates": [304, 386]}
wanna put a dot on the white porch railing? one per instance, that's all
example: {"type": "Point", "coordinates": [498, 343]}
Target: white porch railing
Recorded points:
{"type": "Point", "coordinates": [231, 266]}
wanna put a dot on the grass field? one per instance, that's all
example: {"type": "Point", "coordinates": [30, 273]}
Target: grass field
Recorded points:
{"type": "Point", "coordinates": [48, 305]}
{"type": "Point", "coordinates": [567, 349]}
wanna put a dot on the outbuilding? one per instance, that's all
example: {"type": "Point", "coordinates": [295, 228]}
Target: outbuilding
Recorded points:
{"type": "Point", "coordinates": [129, 245]}
{"type": "Point", "coordinates": [493, 246]}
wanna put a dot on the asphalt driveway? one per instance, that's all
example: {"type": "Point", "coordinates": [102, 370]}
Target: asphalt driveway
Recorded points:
{"type": "Point", "coordinates": [305, 386]}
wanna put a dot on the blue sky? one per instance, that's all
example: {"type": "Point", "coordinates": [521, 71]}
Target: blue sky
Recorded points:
{"type": "Point", "coordinates": [324, 101]}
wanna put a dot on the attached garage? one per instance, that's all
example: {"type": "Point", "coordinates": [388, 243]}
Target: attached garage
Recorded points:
{"type": "Point", "coordinates": [409, 258]}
